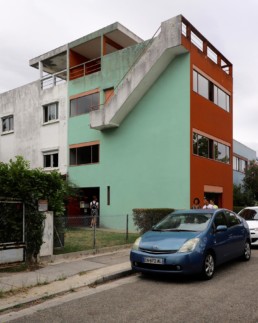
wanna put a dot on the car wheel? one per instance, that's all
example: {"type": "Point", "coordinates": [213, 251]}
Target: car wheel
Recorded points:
{"type": "Point", "coordinates": [208, 269]}
{"type": "Point", "coordinates": [247, 251]}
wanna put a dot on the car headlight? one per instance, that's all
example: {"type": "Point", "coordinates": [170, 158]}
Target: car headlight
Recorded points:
{"type": "Point", "coordinates": [136, 244]}
{"type": "Point", "coordinates": [189, 245]}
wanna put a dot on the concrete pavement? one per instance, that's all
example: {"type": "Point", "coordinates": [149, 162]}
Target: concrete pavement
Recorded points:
{"type": "Point", "coordinates": [65, 273]}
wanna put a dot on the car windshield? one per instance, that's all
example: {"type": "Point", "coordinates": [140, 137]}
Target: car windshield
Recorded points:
{"type": "Point", "coordinates": [184, 222]}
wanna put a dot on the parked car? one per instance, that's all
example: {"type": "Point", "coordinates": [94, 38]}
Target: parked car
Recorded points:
{"type": "Point", "coordinates": [250, 214]}
{"type": "Point", "coordinates": [192, 242]}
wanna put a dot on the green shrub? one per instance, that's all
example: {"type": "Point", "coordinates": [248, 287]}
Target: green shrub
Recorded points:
{"type": "Point", "coordinates": [144, 219]}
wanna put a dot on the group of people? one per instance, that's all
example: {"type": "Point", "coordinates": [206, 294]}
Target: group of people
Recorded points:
{"type": "Point", "coordinates": [207, 204]}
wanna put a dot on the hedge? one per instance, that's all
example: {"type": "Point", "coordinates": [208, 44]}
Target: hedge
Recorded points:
{"type": "Point", "coordinates": [145, 219]}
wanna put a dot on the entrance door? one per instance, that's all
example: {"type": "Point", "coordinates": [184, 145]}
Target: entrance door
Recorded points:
{"type": "Point", "coordinates": [78, 209]}
{"type": "Point", "coordinates": [216, 197]}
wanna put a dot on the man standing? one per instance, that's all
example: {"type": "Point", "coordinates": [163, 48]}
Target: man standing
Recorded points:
{"type": "Point", "coordinates": [207, 204]}
{"type": "Point", "coordinates": [94, 208]}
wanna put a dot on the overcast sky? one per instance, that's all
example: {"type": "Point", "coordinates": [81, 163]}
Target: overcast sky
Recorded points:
{"type": "Point", "coordinates": [30, 28]}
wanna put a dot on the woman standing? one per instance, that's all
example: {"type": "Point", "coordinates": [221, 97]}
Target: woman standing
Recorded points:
{"type": "Point", "coordinates": [196, 203]}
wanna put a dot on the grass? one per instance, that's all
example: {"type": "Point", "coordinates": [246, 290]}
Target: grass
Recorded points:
{"type": "Point", "coordinates": [14, 268]}
{"type": "Point", "coordinates": [79, 239]}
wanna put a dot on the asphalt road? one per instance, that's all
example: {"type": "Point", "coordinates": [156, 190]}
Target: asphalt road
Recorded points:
{"type": "Point", "coordinates": [231, 296]}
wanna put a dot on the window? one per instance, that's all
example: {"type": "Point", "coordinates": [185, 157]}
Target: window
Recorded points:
{"type": "Point", "coordinates": [7, 124]}
{"type": "Point", "coordinates": [232, 219]}
{"type": "Point", "coordinates": [210, 91]}
{"type": "Point", "coordinates": [108, 195]}
{"type": "Point", "coordinates": [50, 160]}
{"type": "Point", "coordinates": [221, 152]}
{"type": "Point", "coordinates": [249, 214]}
{"type": "Point", "coordinates": [209, 148]}
{"type": "Point", "coordinates": [86, 154]}
{"type": "Point", "coordinates": [220, 220]}
{"type": "Point", "coordinates": [84, 104]}
{"type": "Point", "coordinates": [242, 165]}
{"type": "Point", "coordinates": [235, 163]}
{"type": "Point", "coordinates": [239, 164]}
{"type": "Point", "coordinates": [50, 112]}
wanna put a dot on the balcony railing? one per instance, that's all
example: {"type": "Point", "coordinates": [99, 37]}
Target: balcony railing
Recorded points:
{"type": "Point", "coordinates": [86, 68]}
{"type": "Point", "coordinates": [51, 80]}
{"type": "Point", "coordinates": [196, 38]}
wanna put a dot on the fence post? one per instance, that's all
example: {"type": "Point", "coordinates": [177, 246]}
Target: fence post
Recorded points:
{"type": "Point", "coordinates": [126, 237]}
{"type": "Point", "coordinates": [94, 236]}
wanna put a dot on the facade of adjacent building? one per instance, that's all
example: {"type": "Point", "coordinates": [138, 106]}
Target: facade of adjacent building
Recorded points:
{"type": "Point", "coordinates": [139, 124]}
{"type": "Point", "coordinates": [242, 155]}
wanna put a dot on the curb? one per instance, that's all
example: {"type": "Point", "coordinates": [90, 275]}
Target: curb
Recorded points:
{"type": "Point", "coordinates": [78, 254]}
{"type": "Point", "coordinates": [56, 288]}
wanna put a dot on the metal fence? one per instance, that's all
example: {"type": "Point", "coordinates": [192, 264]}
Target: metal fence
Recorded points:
{"type": "Point", "coordinates": [12, 231]}
{"type": "Point", "coordinates": [75, 233]}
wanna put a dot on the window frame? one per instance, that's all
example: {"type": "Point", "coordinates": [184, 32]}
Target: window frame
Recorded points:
{"type": "Point", "coordinates": [240, 164]}
{"type": "Point", "coordinates": [47, 113]}
{"type": "Point", "coordinates": [91, 148]}
{"type": "Point", "coordinates": [52, 159]}
{"type": "Point", "coordinates": [213, 92]}
{"type": "Point", "coordinates": [10, 125]}
{"type": "Point", "coordinates": [76, 103]}
{"type": "Point", "coordinates": [212, 143]}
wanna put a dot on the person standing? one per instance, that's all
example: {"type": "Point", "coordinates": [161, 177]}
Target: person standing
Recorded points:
{"type": "Point", "coordinates": [207, 204]}
{"type": "Point", "coordinates": [196, 203]}
{"type": "Point", "coordinates": [94, 209]}
{"type": "Point", "coordinates": [213, 204]}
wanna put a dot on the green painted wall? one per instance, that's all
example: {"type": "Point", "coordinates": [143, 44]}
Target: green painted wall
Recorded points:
{"type": "Point", "coordinates": [146, 161]}
{"type": "Point", "coordinates": [113, 68]}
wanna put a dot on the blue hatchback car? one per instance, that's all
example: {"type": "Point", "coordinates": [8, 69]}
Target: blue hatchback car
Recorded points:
{"type": "Point", "coordinates": [192, 242]}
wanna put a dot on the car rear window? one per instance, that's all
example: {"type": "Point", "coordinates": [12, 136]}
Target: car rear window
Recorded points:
{"type": "Point", "coordinates": [249, 214]}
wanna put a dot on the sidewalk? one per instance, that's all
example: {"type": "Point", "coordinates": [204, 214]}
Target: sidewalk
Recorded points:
{"type": "Point", "coordinates": [64, 274]}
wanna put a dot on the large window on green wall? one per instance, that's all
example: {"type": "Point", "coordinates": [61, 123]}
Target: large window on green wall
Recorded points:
{"type": "Point", "coordinates": [84, 154]}
{"type": "Point", "coordinates": [84, 104]}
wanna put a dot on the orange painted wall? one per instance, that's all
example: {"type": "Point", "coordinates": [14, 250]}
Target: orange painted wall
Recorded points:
{"type": "Point", "coordinates": [215, 122]}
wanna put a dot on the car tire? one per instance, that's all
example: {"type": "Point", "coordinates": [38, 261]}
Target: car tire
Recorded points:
{"type": "Point", "coordinates": [208, 268]}
{"type": "Point", "coordinates": [247, 251]}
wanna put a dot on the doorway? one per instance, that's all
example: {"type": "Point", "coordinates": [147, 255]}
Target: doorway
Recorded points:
{"type": "Point", "coordinates": [216, 197]}
{"type": "Point", "coordinates": [79, 206]}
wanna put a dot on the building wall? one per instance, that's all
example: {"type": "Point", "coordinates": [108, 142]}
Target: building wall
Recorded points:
{"type": "Point", "coordinates": [208, 175]}
{"type": "Point", "coordinates": [146, 160]}
{"type": "Point", "coordinates": [245, 153]}
{"type": "Point", "coordinates": [30, 137]}
{"type": "Point", "coordinates": [113, 68]}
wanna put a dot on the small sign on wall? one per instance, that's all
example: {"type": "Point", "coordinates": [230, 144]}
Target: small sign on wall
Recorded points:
{"type": "Point", "coordinates": [43, 205]}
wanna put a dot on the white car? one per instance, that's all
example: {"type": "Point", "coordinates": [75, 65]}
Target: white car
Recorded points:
{"type": "Point", "coordinates": [250, 214]}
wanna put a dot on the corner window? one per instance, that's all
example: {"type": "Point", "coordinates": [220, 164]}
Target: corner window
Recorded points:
{"type": "Point", "coordinates": [210, 91]}
{"type": "Point", "coordinates": [84, 104]}
{"type": "Point", "coordinates": [7, 124]}
{"type": "Point", "coordinates": [84, 154]}
{"type": "Point", "coordinates": [50, 160]}
{"type": "Point", "coordinates": [50, 112]}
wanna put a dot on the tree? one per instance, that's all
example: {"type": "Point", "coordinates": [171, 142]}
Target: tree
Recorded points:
{"type": "Point", "coordinates": [242, 197]}
{"type": "Point", "coordinates": [250, 180]}
{"type": "Point", "coordinates": [18, 181]}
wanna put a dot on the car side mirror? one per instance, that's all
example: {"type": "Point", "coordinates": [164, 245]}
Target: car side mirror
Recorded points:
{"type": "Point", "coordinates": [221, 228]}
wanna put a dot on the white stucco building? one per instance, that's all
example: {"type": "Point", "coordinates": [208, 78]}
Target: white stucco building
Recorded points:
{"type": "Point", "coordinates": [34, 125]}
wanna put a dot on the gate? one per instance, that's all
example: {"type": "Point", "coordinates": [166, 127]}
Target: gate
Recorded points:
{"type": "Point", "coordinates": [12, 231]}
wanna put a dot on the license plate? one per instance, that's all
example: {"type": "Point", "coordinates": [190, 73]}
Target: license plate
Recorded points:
{"type": "Point", "coordinates": [156, 261]}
